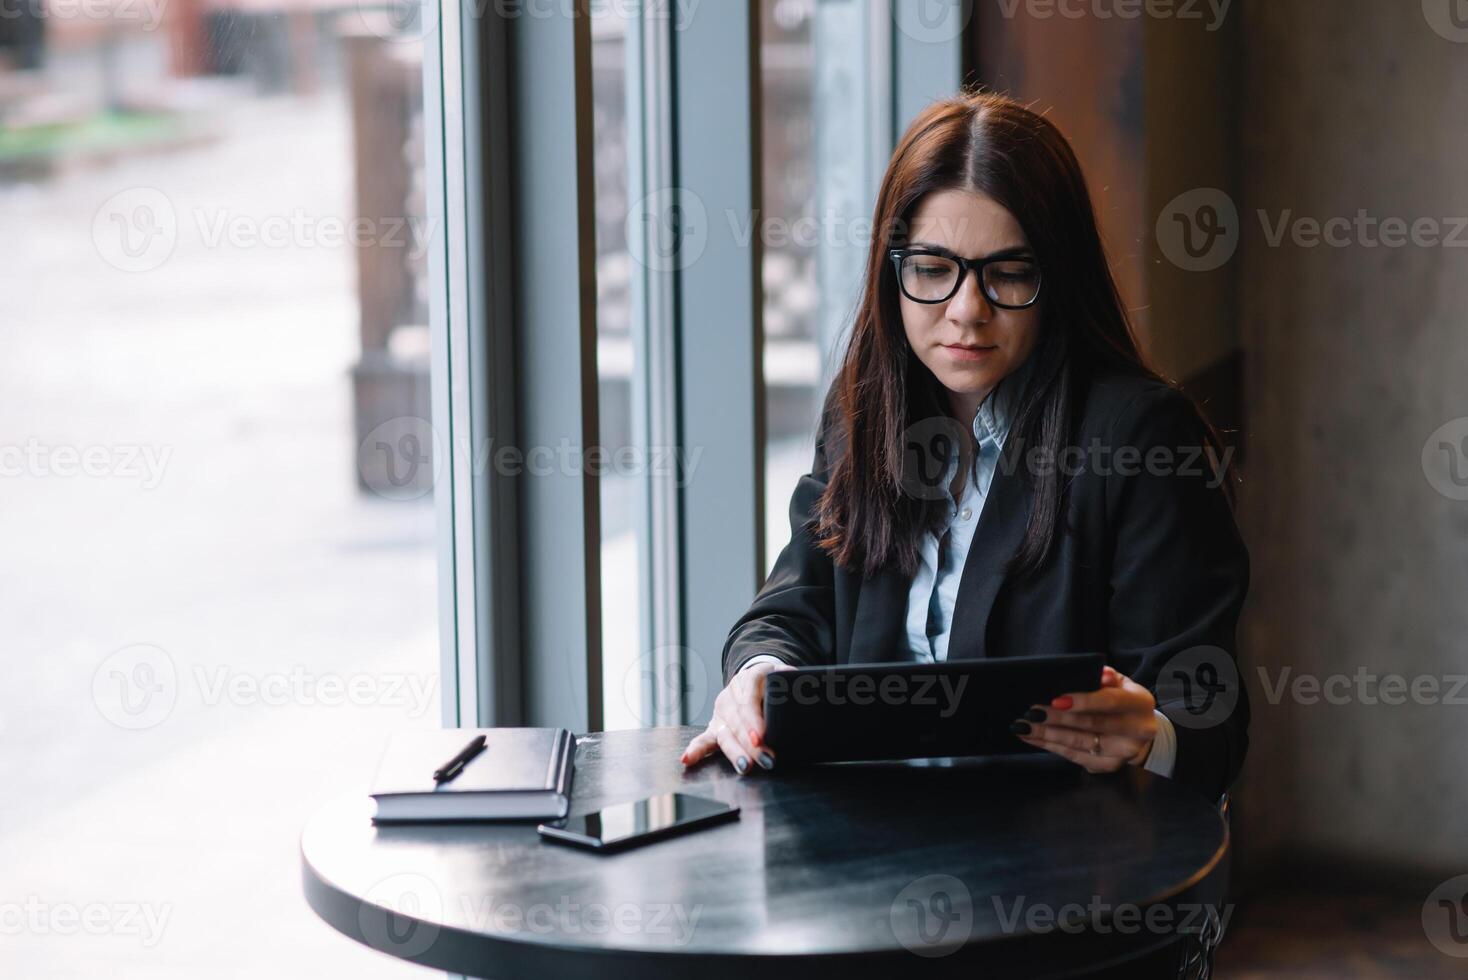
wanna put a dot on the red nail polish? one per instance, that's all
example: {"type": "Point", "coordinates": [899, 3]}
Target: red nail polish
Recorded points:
{"type": "Point", "coordinates": [1063, 702]}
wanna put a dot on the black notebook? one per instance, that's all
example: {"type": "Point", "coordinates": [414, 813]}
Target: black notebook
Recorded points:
{"type": "Point", "coordinates": [521, 773]}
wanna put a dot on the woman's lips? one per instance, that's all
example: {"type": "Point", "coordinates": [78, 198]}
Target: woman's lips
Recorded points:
{"type": "Point", "coordinates": [961, 352]}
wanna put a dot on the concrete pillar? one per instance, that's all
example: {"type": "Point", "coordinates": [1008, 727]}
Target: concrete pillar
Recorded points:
{"type": "Point", "coordinates": [1354, 355]}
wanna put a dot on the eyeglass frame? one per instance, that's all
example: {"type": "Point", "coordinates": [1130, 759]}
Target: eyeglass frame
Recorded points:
{"type": "Point", "coordinates": [897, 255]}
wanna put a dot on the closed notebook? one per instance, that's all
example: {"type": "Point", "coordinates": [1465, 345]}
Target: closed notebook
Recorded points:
{"type": "Point", "coordinates": [522, 773]}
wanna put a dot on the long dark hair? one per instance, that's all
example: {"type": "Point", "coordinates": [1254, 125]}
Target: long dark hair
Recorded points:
{"type": "Point", "coordinates": [991, 144]}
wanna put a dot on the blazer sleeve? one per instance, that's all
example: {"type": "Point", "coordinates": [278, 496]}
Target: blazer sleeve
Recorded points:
{"type": "Point", "coordinates": [1179, 576]}
{"type": "Point", "coordinates": [793, 617]}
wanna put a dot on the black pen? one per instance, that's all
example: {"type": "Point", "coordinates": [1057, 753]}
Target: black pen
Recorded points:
{"type": "Point", "coordinates": [456, 765]}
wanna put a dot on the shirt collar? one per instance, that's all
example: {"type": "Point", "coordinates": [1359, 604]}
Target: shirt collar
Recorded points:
{"type": "Point", "coordinates": [997, 410]}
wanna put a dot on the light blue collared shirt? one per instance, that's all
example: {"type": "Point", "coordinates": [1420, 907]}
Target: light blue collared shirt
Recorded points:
{"type": "Point", "coordinates": [934, 590]}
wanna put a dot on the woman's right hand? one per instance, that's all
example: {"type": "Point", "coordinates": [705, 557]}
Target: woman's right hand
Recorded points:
{"type": "Point", "coordinates": [738, 725]}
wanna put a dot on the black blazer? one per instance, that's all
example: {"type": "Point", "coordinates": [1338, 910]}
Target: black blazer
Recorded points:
{"type": "Point", "coordinates": [1150, 570]}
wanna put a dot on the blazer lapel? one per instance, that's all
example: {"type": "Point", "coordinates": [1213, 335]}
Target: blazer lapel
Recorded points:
{"type": "Point", "coordinates": [879, 631]}
{"type": "Point", "coordinates": [1000, 531]}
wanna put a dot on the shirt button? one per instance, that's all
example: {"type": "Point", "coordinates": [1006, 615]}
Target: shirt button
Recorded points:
{"type": "Point", "coordinates": [966, 513]}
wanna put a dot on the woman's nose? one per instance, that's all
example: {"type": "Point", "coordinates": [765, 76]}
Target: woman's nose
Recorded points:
{"type": "Point", "coordinates": [970, 304]}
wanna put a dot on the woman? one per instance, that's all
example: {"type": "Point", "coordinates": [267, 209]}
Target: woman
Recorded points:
{"type": "Point", "coordinates": [998, 473]}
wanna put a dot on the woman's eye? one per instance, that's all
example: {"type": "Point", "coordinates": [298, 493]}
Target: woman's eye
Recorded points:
{"type": "Point", "coordinates": [1015, 275]}
{"type": "Point", "coordinates": [932, 271]}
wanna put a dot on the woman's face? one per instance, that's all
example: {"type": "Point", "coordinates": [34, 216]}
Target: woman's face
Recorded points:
{"type": "Point", "coordinates": [967, 342]}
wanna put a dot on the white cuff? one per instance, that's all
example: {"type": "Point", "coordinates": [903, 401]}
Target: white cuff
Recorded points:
{"type": "Point", "coordinates": [1164, 747]}
{"type": "Point", "coordinates": [762, 658]}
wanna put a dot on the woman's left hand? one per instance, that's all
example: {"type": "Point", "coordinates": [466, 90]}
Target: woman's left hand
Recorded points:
{"type": "Point", "coordinates": [1101, 730]}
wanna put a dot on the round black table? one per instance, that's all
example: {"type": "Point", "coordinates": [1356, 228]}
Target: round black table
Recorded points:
{"type": "Point", "coordinates": [1023, 866]}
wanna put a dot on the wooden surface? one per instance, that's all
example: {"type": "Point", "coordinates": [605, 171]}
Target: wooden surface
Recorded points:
{"type": "Point", "coordinates": [867, 868]}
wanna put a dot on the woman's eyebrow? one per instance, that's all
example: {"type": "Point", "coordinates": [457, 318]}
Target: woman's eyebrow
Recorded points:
{"type": "Point", "coordinates": [1011, 252]}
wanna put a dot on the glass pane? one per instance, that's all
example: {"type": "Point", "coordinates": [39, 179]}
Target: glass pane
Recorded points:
{"type": "Point", "coordinates": [820, 99]}
{"type": "Point", "coordinates": [220, 576]}
{"type": "Point", "coordinates": [623, 702]}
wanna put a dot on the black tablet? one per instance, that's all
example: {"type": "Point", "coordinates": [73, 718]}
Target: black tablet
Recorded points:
{"type": "Point", "coordinates": [914, 710]}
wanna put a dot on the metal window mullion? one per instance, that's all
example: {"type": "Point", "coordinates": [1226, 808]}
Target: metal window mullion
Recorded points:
{"type": "Point", "coordinates": [444, 189]}
{"type": "Point", "coordinates": [554, 246]}
{"type": "Point", "coordinates": [655, 378]}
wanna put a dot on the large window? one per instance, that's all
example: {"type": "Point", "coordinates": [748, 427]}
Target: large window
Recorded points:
{"type": "Point", "coordinates": [217, 470]}
{"type": "Point", "coordinates": [826, 106]}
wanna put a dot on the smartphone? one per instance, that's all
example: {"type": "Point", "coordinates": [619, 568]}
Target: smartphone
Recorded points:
{"type": "Point", "coordinates": [630, 824]}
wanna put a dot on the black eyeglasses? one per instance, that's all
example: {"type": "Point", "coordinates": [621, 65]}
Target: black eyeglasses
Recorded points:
{"type": "Point", "coordinates": [928, 275]}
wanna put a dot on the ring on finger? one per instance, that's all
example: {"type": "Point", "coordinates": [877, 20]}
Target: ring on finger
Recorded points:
{"type": "Point", "coordinates": [1095, 744]}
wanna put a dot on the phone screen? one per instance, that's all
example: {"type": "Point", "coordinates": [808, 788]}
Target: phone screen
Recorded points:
{"type": "Point", "coordinates": [625, 823]}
